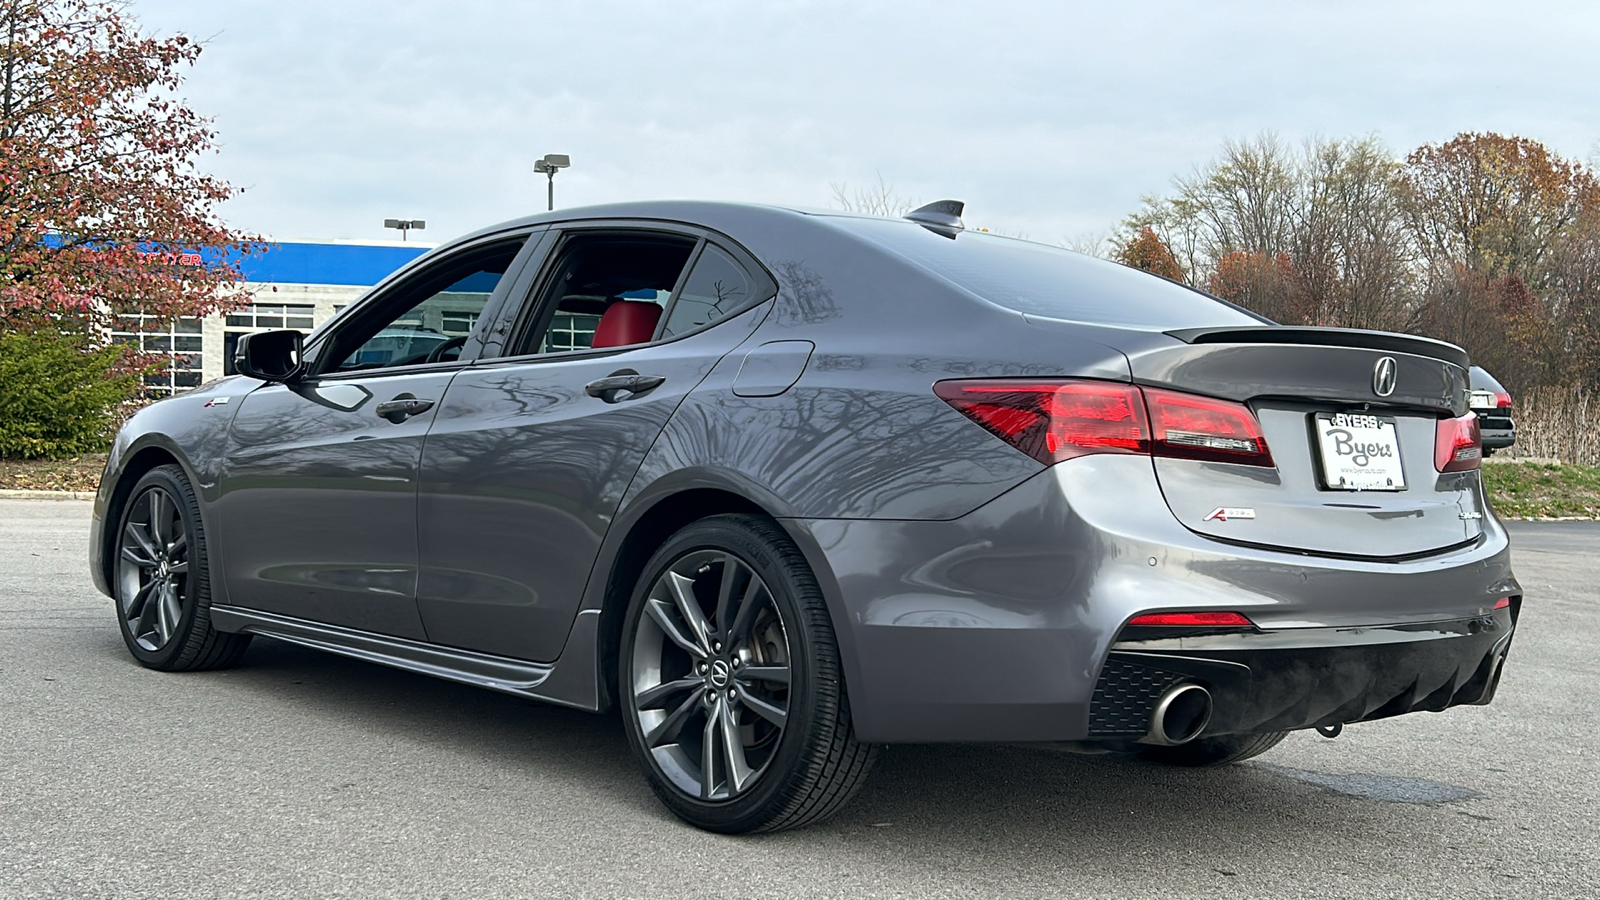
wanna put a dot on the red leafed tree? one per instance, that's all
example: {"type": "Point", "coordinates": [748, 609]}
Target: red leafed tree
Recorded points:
{"type": "Point", "coordinates": [102, 208]}
{"type": "Point", "coordinates": [1260, 283]}
{"type": "Point", "coordinates": [1147, 251]}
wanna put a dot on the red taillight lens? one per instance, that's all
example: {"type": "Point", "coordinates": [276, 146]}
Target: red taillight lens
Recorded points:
{"type": "Point", "coordinates": [1457, 445]}
{"type": "Point", "coordinates": [1193, 427]}
{"type": "Point", "coordinates": [1193, 620]}
{"type": "Point", "coordinates": [1056, 420]}
{"type": "Point", "coordinates": [1502, 400]}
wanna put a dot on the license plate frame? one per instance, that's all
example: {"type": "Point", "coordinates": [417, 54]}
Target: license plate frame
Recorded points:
{"type": "Point", "coordinates": [1357, 452]}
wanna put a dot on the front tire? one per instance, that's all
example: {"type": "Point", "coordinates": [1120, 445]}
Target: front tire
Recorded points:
{"type": "Point", "coordinates": [162, 579]}
{"type": "Point", "coordinates": [731, 685]}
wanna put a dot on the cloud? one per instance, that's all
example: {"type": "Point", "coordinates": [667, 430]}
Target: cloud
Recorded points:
{"type": "Point", "coordinates": [1047, 118]}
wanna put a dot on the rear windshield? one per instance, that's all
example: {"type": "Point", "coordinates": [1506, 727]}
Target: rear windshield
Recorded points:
{"type": "Point", "coordinates": [1049, 281]}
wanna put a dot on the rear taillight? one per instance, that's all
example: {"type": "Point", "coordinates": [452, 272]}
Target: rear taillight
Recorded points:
{"type": "Point", "coordinates": [1502, 400]}
{"type": "Point", "coordinates": [1457, 445]}
{"type": "Point", "coordinates": [1061, 419]}
{"type": "Point", "coordinates": [1054, 420]}
{"type": "Point", "coordinates": [1188, 426]}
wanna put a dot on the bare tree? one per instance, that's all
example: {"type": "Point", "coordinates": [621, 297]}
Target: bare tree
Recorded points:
{"type": "Point", "coordinates": [880, 199]}
{"type": "Point", "coordinates": [1244, 200]}
{"type": "Point", "coordinates": [1099, 244]}
{"type": "Point", "coordinates": [1355, 259]}
{"type": "Point", "coordinates": [1315, 237]}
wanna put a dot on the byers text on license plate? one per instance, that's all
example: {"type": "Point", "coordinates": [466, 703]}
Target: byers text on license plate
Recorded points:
{"type": "Point", "coordinates": [1359, 452]}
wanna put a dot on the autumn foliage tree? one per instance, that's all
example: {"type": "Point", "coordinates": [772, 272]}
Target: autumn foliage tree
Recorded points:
{"type": "Point", "coordinates": [1259, 282]}
{"type": "Point", "coordinates": [1145, 250]}
{"type": "Point", "coordinates": [1495, 204]}
{"type": "Point", "coordinates": [1487, 241]}
{"type": "Point", "coordinates": [102, 207]}
{"type": "Point", "coordinates": [1315, 236]}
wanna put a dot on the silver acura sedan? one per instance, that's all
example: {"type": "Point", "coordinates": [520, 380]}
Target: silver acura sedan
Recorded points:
{"type": "Point", "coordinates": [780, 487]}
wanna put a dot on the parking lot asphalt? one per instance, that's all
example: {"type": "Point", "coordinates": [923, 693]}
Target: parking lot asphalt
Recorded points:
{"type": "Point", "coordinates": [301, 774]}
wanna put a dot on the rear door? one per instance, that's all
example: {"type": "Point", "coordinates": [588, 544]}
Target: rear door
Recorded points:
{"type": "Point", "coordinates": [530, 454]}
{"type": "Point", "coordinates": [318, 497]}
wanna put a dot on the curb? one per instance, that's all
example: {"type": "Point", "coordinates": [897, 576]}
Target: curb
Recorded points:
{"type": "Point", "coordinates": [46, 495]}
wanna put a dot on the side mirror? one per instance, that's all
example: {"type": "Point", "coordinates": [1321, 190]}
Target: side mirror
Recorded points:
{"type": "Point", "coordinates": [270, 355]}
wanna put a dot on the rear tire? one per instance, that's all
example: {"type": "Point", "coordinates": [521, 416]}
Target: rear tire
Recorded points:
{"type": "Point", "coordinates": [730, 682]}
{"type": "Point", "coordinates": [161, 579]}
{"type": "Point", "coordinates": [1215, 751]}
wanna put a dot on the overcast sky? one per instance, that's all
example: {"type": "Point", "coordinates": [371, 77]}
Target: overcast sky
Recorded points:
{"type": "Point", "coordinates": [1047, 118]}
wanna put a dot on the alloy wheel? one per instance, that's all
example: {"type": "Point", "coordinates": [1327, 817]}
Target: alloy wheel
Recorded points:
{"type": "Point", "coordinates": [711, 675]}
{"type": "Point", "coordinates": [153, 568]}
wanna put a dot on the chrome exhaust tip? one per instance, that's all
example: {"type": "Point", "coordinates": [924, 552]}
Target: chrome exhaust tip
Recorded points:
{"type": "Point", "coordinates": [1179, 716]}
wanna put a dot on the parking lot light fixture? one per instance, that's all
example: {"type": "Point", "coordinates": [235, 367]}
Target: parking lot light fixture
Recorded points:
{"type": "Point", "coordinates": [548, 167]}
{"type": "Point", "coordinates": [405, 225]}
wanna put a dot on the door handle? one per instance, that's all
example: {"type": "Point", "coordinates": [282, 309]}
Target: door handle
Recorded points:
{"type": "Point", "coordinates": [403, 407]}
{"type": "Point", "coordinates": [613, 386]}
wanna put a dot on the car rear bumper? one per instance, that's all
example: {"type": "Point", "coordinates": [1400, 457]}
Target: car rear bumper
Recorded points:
{"type": "Point", "coordinates": [1499, 438]}
{"type": "Point", "coordinates": [996, 626]}
{"type": "Point", "coordinates": [1303, 678]}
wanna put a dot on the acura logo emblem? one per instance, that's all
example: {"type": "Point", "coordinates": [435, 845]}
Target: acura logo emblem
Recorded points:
{"type": "Point", "coordinates": [1383, 377]}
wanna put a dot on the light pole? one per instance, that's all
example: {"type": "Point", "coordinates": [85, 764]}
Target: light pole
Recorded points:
{"type": "Point", "coordinates": [548, 167]}
{"type": "Point", "coordinates": [405, 225]}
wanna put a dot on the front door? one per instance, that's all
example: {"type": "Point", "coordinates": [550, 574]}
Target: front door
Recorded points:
{"type": "Point", "coordinates": [318, 495]}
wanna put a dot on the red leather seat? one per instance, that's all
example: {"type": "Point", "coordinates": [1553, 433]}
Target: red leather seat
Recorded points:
{"type": "Point", "coordinates": [626, 322]}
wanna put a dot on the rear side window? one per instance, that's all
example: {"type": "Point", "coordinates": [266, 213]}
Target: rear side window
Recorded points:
{"type": "Point", "coordinates": [717, 286]}
{"type": "Point", "coordinates": [1048, 281]}
{"type": "Point", "coordinates": [628, 277]}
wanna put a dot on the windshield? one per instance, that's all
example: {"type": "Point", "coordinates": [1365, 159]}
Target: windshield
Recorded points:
{"type": "Point", "coordinates": [1048, 281]}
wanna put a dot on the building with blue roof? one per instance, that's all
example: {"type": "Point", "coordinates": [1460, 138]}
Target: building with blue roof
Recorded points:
{"type": "Point", "coordinates": [293, 284]}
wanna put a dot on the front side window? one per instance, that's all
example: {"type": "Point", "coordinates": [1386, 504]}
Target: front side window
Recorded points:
{"type": "Point", "coordinates": [427, 318]}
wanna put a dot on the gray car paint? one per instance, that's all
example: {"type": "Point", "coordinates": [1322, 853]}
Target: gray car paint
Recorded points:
{"type": "Point", "coordinates": [993, 626]}
{"type": "Point", "coordinates": [974, 591]}
{"type": "Point", "coordinates": [521, 477]}
{"type": "Point", "coordinates": [317, 513]}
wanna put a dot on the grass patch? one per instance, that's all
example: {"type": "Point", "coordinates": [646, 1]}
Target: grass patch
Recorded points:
{"type": "Point", "coordinates": [1540, 490]}
{"type": "Point", "coordinates": [75, 473]}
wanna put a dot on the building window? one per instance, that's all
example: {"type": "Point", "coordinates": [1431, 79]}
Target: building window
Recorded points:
{"type": "Point", "coordinates": [570, 331]}
{"type": "Point", "coordinates": [457, 323]}
{"type": "Point", "coordinates": [261, 317]}
{"type": "Point", "coordinates": [178, 341]}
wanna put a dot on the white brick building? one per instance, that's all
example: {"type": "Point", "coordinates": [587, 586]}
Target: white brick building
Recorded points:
{"type": "Point", "coordinates": [296, 284]}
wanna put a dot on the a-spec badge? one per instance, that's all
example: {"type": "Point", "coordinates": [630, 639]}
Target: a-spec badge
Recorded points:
{"type": "Point", "coordinates": [1224, 513]}
{"type": "Point", "coordinates": [215, 401]}
{"type": "Point", "coordinates": [1383, 376]}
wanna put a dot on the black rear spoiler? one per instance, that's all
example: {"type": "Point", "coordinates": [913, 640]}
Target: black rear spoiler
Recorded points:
{"type": "Point", "coordinates": [1327, 337]}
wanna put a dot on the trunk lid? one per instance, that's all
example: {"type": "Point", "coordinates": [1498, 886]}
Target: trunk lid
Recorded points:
{"type": "Point", "coordinates": [1295, 380]}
